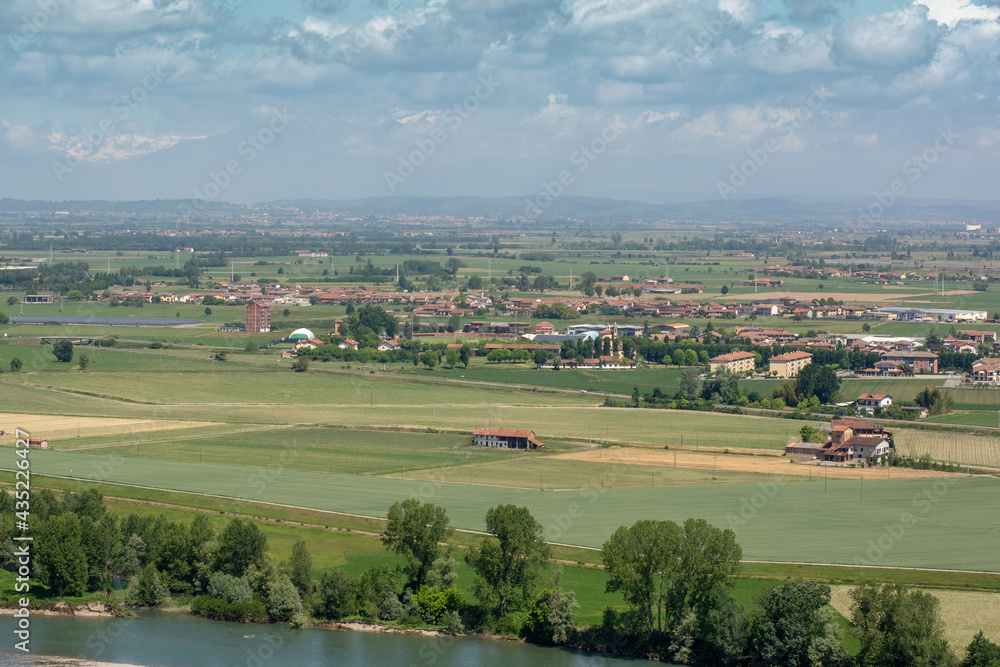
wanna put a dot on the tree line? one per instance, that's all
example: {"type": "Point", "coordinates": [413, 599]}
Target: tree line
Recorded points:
{"type": "Point", "coordinates": [676, 581]}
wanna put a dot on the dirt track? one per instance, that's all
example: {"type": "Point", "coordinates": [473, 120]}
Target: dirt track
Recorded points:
{"type": "Point", "coordinates": [51, 427]}
{"type": "Point", "coordinates": [761, 463]}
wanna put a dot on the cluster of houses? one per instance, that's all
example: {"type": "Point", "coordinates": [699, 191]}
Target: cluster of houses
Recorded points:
{"type": "Point", "coordinates": [867, 275]}
{"type": "Point", "coordinates": [896, 358]}
{"type": "Point", "coordinates": [627, 301]}
{"type": "Point", "coordinates": [849, 441]}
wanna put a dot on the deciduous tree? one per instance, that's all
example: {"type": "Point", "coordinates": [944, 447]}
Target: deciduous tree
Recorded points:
{"type": "Point", "coordinates": [63, 350]}
{"type": "Point", "coordinates": [507, 568]}
{"type": "Point", "coordinates": [897, 626]}
{"type": "Point", "coordinates": [414, 531]}
{"type": "Point", "coordinates": [241, 544]}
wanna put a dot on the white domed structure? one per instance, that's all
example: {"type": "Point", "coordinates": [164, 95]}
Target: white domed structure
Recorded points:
{"type": "Point", "coordinates": [301, 334]}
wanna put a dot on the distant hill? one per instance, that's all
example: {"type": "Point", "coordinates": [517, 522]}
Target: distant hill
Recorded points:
{"type": "Point", "coordinates": [589, 209]}
{"type": "Point", "coordinates": [164, 206]}
{"type": "Point", "coordinates": [593, 209]}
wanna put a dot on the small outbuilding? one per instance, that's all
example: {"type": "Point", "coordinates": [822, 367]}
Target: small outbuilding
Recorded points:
{"type": "Point", "coordinates": [506, 438]}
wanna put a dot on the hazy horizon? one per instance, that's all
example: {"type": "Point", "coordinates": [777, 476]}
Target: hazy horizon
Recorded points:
{"type": "Point", "coordinates": [245, 102]}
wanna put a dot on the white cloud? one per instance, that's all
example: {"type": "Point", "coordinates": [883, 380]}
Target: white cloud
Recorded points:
{"type": "Point", "coordinates": [19, 136]}
{"type": "Point", "coordinates": [950, 12]}
{"type": "Point", "coordinates": [895, 40]}
{"type": "Point", "coordinates": [655, 117]}
{"type": "Point", "coordinates": [866, 139]}
{"type": "Point", "coordinates": [114, 148]}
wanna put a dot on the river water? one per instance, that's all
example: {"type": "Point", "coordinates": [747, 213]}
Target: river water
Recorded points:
{"type": "Point", "coordinates": [170, 639]}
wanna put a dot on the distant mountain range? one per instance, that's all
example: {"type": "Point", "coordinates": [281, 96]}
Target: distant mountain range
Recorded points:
{"type": "Point", "coordinates": [590, 209]}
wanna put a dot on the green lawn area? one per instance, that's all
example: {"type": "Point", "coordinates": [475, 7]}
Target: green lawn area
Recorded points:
{"type": "Point", "coordinates": [537, 471]}
{"type": "Point", "coordinates": [347, 451]}
{"type": "Point", "coordinates": [784, 527]}
{"type": "Point", "coordinates": [281, 385]}
{"type": "Point", "coordinates": [357, 401]}
{"type": "Point", "coordinates": [969, 418]}
{"type": "Point", "coordinates": [618, 382]}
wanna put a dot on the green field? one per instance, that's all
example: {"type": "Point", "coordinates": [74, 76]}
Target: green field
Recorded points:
{"type": "Point", "coordinates": [973, 449]}
{"type": "Point", "coordinates": [278, 384]}
{"type": "Point", "coordinates": [967, 418]}
{"type": "Point", "coordinates": [789, 521]}
{"type": "Point", "coordinates": [356, 401]}
{"type": "Point", "coordinates": [611, 381]}
{"type": "Point", "coordinates": [337, 450]}
{"type": "Point", "coordinates": [541, 472]}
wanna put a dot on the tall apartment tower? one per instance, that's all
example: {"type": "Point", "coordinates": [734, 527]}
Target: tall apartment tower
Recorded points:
{"type": "Point", "coordinates": [258, 317]}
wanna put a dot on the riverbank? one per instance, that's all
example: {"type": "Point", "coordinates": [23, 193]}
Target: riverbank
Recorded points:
{"type": "Point", "coordinates": [63, 608]}
{"type": "Point", "coordinates": [32, 660]}
{"type": "Point", "coordinates": [154, 639]}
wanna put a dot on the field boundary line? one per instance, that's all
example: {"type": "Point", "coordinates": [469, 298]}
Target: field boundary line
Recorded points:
{"type": "Point", "coordinates": [478, 532]}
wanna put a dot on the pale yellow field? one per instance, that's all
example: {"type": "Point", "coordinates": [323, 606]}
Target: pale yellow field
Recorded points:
{"type": "Point", "coordinates": [964, 612]}
{"type": "Point", "coordinates": [954, 447]}
{"type": "Point", "coordinates": [51, 427]}
{"type": "Point", "coordinates": [764, 463]}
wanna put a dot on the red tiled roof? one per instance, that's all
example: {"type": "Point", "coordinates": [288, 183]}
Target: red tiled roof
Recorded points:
{"type": "Point", "coordinates": [791, 356]}
{"type": "Point", "coordinates": [733, 356]}
{"type": "Point", "coordinates": [505, 432]}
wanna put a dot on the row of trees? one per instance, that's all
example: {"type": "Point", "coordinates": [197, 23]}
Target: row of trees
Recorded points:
{"type": "Point", "coordinates": [676, 582]}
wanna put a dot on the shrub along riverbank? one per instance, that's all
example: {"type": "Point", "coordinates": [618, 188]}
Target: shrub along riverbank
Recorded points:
{"type": "Point", "coordinates": [677, 583]}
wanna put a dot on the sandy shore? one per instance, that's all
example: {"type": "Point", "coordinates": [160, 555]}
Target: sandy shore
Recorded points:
{"type": "Point", "coordinates": [92, 608]}
{"type": "Point", "coordinates": [357, 626]}
{"type": "Point", "coordinates": [31, 660]}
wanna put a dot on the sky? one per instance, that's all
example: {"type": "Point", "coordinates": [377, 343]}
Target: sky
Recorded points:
{"type": "Point", "coordinates": [659, 100]}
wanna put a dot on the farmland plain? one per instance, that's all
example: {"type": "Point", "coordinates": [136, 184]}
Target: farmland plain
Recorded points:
{"type": "Point", "coordinates": [777, 520]}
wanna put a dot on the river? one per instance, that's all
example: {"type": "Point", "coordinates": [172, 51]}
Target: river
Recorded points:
{"type": "Point", "coordinates": [170, 639]}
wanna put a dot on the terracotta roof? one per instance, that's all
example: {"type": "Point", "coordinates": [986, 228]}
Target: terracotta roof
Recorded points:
{"type": "Point", "coordinates": [505, 432]}
{"type": "Point", "coordinates": [791, 356]}
{"type": "Point", "coordinates": [733, 356]}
